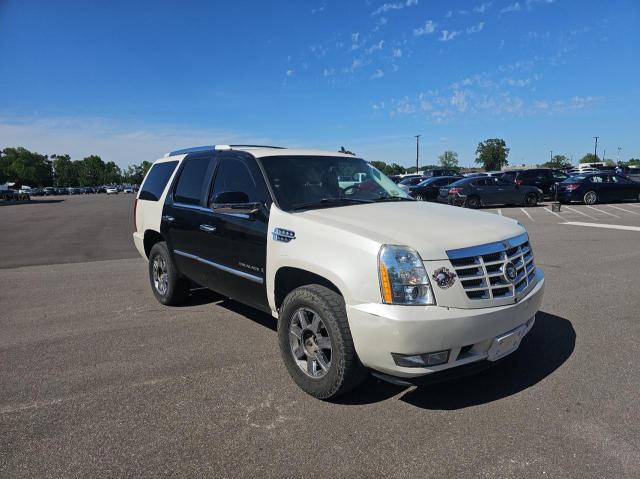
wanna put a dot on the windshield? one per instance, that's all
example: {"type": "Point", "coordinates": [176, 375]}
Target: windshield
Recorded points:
{"type": "Point", "coordinates": [322, 181]}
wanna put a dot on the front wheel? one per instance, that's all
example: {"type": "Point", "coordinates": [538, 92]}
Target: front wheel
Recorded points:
{"type": "Point", "coordinates": [167, 285]}
{"type": "Point", "coordinates": [419, 197]}
{"type": "Point", "coordinates": [531, 199]}
{"type": "Point", "coordinates": [316, 343]}
{"type": "Point", "coordinates": [590, 198]}
{"type": "Point", "coordinates": [473, 202]}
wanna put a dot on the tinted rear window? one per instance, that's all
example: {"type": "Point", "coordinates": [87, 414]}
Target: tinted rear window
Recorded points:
{"type": "Point", "coordinates": [156, 180]}
{"type": "Point", "coordinates": [189, 187]}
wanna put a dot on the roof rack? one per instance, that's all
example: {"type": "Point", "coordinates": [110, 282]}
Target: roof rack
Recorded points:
{"type": "Point", "coordinates": [258, 146]}
{"type": "Point", "coordinates": [197, 149]}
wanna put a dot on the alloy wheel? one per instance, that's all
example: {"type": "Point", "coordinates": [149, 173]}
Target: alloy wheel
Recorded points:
{"type": "Point", "coordinates": [590, 198]}
{"type": "Point", "coordinates": [160, 275]}
{"type": "Point", "coordinates": [310, 343]}
{"type": "Point", "coordinates": [419, 197]}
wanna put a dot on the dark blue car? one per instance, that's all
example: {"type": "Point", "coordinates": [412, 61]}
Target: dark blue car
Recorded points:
{"type": "Point", "coordinates": [592, 188]}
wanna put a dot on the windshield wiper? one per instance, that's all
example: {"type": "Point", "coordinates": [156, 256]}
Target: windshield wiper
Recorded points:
{"type": "Point", "coordinates": [329, 202]}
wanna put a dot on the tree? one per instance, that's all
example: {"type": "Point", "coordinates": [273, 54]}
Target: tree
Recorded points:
{"type": "Point", "coordinates": [65, 172]}
{"type": "Point", "coordinates": [558, 162]}
{"type": "Point", "coordinates": [91, 171]}
{"type": "Point", "coordinates": [135, 173]}
{"type": "Point", "coordinates": [492, 154]}
{"type": "Point", "coordinates": [111, 174]}
{"type": "Point", "coordinates": [449, 159]}
{"type": "Point", "coordinates": [590, 158]}
{"type": "Point", "coordinates": [25, 167]}
{"type": "Point", "coordinates": [380, 165]}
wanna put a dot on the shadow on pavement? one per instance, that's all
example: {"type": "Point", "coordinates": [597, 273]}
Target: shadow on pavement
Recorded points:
{"type": "Point", "coordinates": [29, 202]}
{"type": "Point", "coordinates": [549, 344]}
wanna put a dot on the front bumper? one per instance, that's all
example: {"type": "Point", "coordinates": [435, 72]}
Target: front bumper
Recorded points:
{"type": "Point", "coordinates": [381, 329]}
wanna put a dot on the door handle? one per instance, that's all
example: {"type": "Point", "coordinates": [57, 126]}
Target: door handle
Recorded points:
{"type": "Point", "coordinates": [207, 228]}
{"type": "Point", "coordinates": [168, 218]}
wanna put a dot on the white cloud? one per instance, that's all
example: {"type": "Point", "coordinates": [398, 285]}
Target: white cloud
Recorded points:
{"type": "Point", "coordinates": [449, 14]}
{"type": "Point", "coordinates": [459, 100]}
{"type": "Point", "coordinates": [476, 28]}
{"type": "Point", "coordinates": [483, 7]}
{"type": "Point", "coordinates": [319, 8]}
{"type": "Point", "coordinates": [385, 7]}
{"type": "Point", "coordinates": [329, 72]}
{"type": "Point", "coordinates": [514, 7]}
{"type": "Point", "coordinates": [290, 72]}
{"type": "Point", "coordinates": [397, 53]}
{"type": "Point", "coordinates": [447, 35]}
{"type": "Point", "coordinates": [429, 27]}
{"type": "Point", "coordinates": [375, 46]}
{"type": "Point", "coordinates": [378, 74]}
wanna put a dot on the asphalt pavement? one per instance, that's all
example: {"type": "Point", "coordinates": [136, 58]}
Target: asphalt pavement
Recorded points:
{"type": "Point", "coordinates": [97, 379]}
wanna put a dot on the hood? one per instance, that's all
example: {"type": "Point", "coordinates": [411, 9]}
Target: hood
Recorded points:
{"type": "Point", "coordinates": [430, 228]}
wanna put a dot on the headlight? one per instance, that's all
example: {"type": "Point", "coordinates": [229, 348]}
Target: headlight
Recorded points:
{"type": "Point", "coordinates": [403, 278]}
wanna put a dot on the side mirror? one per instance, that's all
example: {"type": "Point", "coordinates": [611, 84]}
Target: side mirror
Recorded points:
{"type": "Point", "coordinates": [235, 203]}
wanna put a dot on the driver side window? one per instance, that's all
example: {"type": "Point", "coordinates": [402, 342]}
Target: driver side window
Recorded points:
{"type": "Point", "coordinates": [235, 183]}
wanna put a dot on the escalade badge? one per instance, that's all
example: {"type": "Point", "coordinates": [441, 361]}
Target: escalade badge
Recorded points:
{"type": "Point", "coordinates": [510, 271]}
{"type": "Point", "coordinates": [444, 278]}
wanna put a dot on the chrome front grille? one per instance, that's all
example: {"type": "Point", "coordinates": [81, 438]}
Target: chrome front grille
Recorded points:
{"type": "Point", "coordinates": [482, 269]}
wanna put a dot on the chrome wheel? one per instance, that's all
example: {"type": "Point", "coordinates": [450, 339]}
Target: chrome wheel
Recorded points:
{"type": "Point", "coordinates": [591, 198]}
{"type": "Point", "coordinates": [160, 275]}
{"type": "Point", "coordinates": [310, 343]}
{"type": "Point", "coordinates": [419, 197]}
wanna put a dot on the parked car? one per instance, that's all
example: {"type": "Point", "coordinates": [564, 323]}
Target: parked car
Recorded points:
{"type": "Point", "coordinates": [543, 178]}
{"type": "Point", "coordinates": [111, 190]}
{"type": "Point", "coordinates": [428, 189]}
{"type": "Point", "coordinates": [439, 172]}
{"type": "Point", "coordinates": [101, 189]}
{"type": "Point", "coordinates": [592, 188]}
{"type": "Point", "coordinates": [354, 285]}
{"type": "Point", "coordinates": [62, 191]}
{"type": "Point", "coordinates": [36, 191]}
{"type": "Point", "coordinates": [485, 191]}
{"type": "Point", "coordinates": [408, 181]}
{"type": "Point", "coordinates": [50, 191]}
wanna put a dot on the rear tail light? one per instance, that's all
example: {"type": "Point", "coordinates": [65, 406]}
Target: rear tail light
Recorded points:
{"type": "Point", "coordinates": [518, 182]}
{"type": "Point", "coordinates": [455, 191]}
{"type": "Point", "coordinates": [135, 223]}
{"type": "Point", "coordinates": [571, 187]}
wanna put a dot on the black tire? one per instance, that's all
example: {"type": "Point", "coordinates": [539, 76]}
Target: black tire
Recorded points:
{"type": "Point", "coordinates": [531, 199]}
{"type": "Point", "coordinates": [176, 289]}
{"type": "Point", "coordinates": [345, 372]}
{"type": "Point", "coordinates": [590, 198]}
{"type": "Point", "coordinates": [473, 202]}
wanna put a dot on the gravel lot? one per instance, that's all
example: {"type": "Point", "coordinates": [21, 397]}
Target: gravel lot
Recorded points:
{"type": "Point", "coordinates": [97, 379]}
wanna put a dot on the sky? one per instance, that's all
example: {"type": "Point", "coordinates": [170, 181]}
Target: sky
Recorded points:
{"type": "Point", "coordinates": [130, 81]}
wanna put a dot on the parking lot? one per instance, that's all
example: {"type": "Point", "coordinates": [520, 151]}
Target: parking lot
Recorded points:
{"type": "Point", "coordinates": [97, 379]}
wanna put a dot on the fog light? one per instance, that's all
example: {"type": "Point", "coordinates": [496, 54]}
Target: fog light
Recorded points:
{"type": "Point", "coordinates": [421, 360]}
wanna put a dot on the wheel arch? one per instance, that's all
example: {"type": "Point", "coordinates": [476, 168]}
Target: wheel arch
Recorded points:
{"type": "Point", "coordinates": [288, 278]}
{"type": "Point", "coordinates": [151, 237]}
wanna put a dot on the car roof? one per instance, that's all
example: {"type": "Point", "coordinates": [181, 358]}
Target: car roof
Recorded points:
{"type": "Point", "coordinates": [258, 151]}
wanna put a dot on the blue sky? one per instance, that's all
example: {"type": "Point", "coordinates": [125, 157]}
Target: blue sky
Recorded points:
{"type": "Point", "coordinates": [131, 80]}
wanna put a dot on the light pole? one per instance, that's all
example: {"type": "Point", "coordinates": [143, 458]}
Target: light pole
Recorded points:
{"type": "Point", "coordinates": [619, 154]}
{"type": "Point", "coordinates": [417, 152]}
{"type": "Point", "coordinates": [551, 157]}
{"type": "Point", "coordinates": [595, 149]}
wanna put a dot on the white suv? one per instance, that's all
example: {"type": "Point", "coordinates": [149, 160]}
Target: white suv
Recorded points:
{"type": "Point", "coordinates": [361, 278]}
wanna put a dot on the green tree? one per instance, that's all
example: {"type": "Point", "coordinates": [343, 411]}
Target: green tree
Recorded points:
{"type": "Point", "coordinates": [25, 167]}
{"type": "Point", "coordinates": [492, 154]}
{"type": "Point", "coordinates": [558, 161]}
{"type": "Point", "coordinates": [65, 170]}
{"type": "Point", "coordinates": [111, 174]}
{"type": "Point", "coordinates": [633, 161]}
{"type": "Point", "coordinates": [590, 158]}
{"type": "Point", "coordinates": [449, 159]}
{"type": "Point", "coordinates": [91, 170]}
{"type": "Point", "coordinates": [396, 169]}
{"type": "Point", "coordinates": [380, 165]}
{"type": "Point", "coordinates": [134, 174]}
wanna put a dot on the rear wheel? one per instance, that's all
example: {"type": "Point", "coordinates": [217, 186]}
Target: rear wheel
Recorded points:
{"type": "Point", "coordinates": [316, 343]}
{"type": "Point", "coordinates": [168, 286]}
{"type": "Point", "coordinates": [419, 197]}
{"type": "Point", "coordinates": [531, 199]}
{"type": "Point", "coordinates": [473, 202]}
{"type": "Point", "coordinates": [590, 198]}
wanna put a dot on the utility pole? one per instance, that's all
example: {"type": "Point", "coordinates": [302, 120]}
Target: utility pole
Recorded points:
{"type": "Point", "coordinates": [595, 149]}
{"type": "Point", "coordinates": [551, 157]}
{"type": "Point", "coordinates": [417, 152]}
{"type": "Point", "coordinates": [619, 154]}
{"type": "Point", "coordinates": [604, 154]}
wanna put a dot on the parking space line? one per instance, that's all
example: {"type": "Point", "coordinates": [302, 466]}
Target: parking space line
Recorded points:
{"type": "Point", "coordinates": [622, 209]}
{"type": "Point", "coordinates": [600, 225]}
{"type": "Point", "coordinates": [580, 212]}
{"type": "Point", "coordinates": [528, 215]}
{"type": "Point", "coordinates": [600, 211]}
{"type": "Point", "coordinates": [499, 211]}
{"type": "Point", "coordinates": [553, 213]}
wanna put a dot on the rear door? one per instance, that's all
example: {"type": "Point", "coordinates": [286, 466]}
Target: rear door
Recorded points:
{"type": "Point", "coordinates": [622, 188]}
{"type": "Point", "coordinates": [184, 214]}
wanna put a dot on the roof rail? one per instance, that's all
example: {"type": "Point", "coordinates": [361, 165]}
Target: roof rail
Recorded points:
{"type": "Point", "coordinates": [258, 146]}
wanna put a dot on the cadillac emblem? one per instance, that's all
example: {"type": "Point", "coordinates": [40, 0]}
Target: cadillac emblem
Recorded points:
{"type": "Point", "coordinates": [444, 278]}
{"type": "Point", "coordinates": [509, 270]}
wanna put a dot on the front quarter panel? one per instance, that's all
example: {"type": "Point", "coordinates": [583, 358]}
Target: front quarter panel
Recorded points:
{"type": "Point", "coordinates": [348, 260]}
